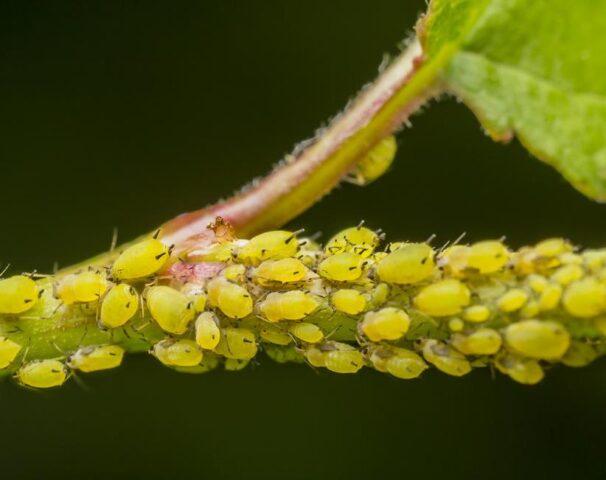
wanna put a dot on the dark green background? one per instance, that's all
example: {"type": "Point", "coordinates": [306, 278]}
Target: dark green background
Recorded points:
{"type": "Point", "coordinates": [127, 113]}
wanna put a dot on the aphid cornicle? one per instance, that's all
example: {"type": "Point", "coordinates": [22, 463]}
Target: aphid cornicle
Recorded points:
{"type": "Point", "coordinates": [172, 310]}
{"type": "Point", "coordinates": [348, 301]}
{"type": "Point", "coordinates": [269, 245]}
{"type": "Point", "coordinates": [177, 353]}
{"type": "Point", "coordinates": [358, 240]}
{"type": "Point", "coordinates": [285, 270]}
{"type": "Point", "coordinates": [341, 267]}
{"type": "Point", "coordinates": [118, 306]}
{"type": "Point", "coordinates": [94, 358]}
{"type": "Point", "coordinates": [376, 162]}
{"type": "Point", "coordinates": [207, 329]}
{"type": "Point", "coordinates": [8, 351]}
{"type": "Point", "coordinates": [411, 263]}
{"type": "Point", "coordinates": [232, 299]}
{"type": "Point", "coordinates": [544, 340]}
{"type": "Point", "coordinates": [291, 305]}
{"type": "Point", "coordinates": [237, 343]}
{"type": "Point", "coordinates": [443, 298]}
{"type": "Point", "coordinates": [140, 260]}
{"type": "Point", "coordinates": [17, 294]}
{"type": "Point", "coordinates": [386, 324]}
{"type": "Point", "coordinates": [83, 287]}
{"type": "Point", "coordinates": [42, 374]}
{"type": "Point", "coordinates": [445, 358]}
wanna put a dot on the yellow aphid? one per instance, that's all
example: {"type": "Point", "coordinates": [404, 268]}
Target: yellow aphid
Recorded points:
{"type": "Point", "coordinates": [550, 297]}
{"type": "Point", "coordinates": [552, 247]}
{"type": "Point", "coordinates": [341, 267]}
{"type": "Point", "coordinates": [523, 370]}
{"type": "Point", "coordinates": [443, 298]}
{"type": "Point", "coordinates": [315, 356]}
{"type": "Point", "coordinates": [119, 305]}
{"type": "Point", "coordinates": [376, 162]}
{"type": "Point", "coordinates": [237, 343]}
{"type": "Point", "coordinates": [171, 309]}
{"type": "Point", "coordinates": [177, 353]}
{"type": "Point", "coordinates": [235, 365]}
{"type": "Point", "coordinates": [585, 298]}
{"type": "Point", "coordinates": [207, 330]}
{"type": "Point", "coordinates": [285, 270]}
{"type": "Point", "coordinates": [8, 351]}
{"type": "Point", "coordinates": [195, 292]}
{"type": "Point", "coordinates": [530, 310]}
{"type": "Point", "coordinates": [358, 240]}
{"type": "Point", "coordinates": [445, 358]}
{"type": "Point", "coordinates": [579, 354]}
{"type": "Point", "coordinates": [17, 294]}
{"type": "Point", "coordinates": [537, 283]}
{"type": "Point", "coordinates": [594, 259]}
{"type": "Point", "coordinates": [476, 313]}
{"type": "Point", "coordinates": [513, 300]}
{"type": "Point", "coordinates": [488, 257]}
{"type": "Point", "coordinates": [385, 324]}
{"type": "Point", "coordinates": [456, 324]}
{"type": "Point", "coordinates": [292, 305]}
{"type": "Point", "coordinates": [399, 362]}
{"type": "Point", "coordinates": [544, 340]}
{"type": "Point", "coordinates": [571, 258]}
{"type": "Point", "coordinates": [235, 273]}
{"type": "Point", "coordinates": [42, 374]}
{"type": "Point", "coordinates": [307, 332]}
{"type": "Point", "coordinates": [82, 287]}
{"type": "Point", "coordinates": [100, 357]}
{"type": "Point", "coordinates": [273, 334]}
{"type": "Point", "coordinates": [411, 263]}
{"type": "Point", "coordinates": [233, 300]}
{"type": "Point", "coordinates": [218, 252]}
{"type": "Point", "coordinates": [269, 245]}
{"type": "Point", "coordinates": [348, 301]}
{"type": "Point", "coordinates": [454, 259]}
{"type": "Point", "coordinates": [343, 359]}
{"type": "Point", "coordinates": [484, 341]}
{"type": "Point", "coordinates": [140, 260]}
{"type": "Point", "coordinates": [379, 295]}
{"type": "Point", "coordinates": [567, 274]}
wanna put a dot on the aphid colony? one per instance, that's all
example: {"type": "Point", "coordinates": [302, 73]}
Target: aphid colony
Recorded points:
{"type": "Point", "coordinates": [397, 309]}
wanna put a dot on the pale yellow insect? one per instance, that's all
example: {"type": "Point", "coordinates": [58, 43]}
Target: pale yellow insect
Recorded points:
{"type": "Point", "coordinates": [140, 260]}
{"type": "Point", "coordinates": [545, 340]}
{"type": "Point", "coordinates": [8, 351]}
{"type": "Point", "coordinates": [269, 245]}
{"type": "Point", "coordinates": [348, 301]}
{"type": "Point", "coordinates": [484, 341]}
{"type": "Point", "coordinates": [83, 287]}
{"type": "Point", "coordinates": [585, 298]}
{"type": "Point", "coordinates": [488, 256]}
{"type": "Point", "coordinates": [273, 334]}
{"type": "Point", "coordinates": [343, 358]}
{"type": "Point", "coordinates": [358, 240]}
{"type": "Point", "coordinates": [307, 332]}
{"type": "Point", "coordinates": [17, 294]}
{"type": "Point", "coordinates": [172, 310]}
{"type": "Point", "coordinates": [523, 370]}
{"type": "Point", "coordinates": [341, 267]}
{"type": "Point", "coordinates": [118, 306]}
{"type": "Point", "coordinates": [291, 305]}
{"type": "Point", "coordinates": [445, 358]}
{"type": "Point", "coordinates": [42, 374]}
{"type": "Point", "coordinates": [237, 343]}
{"type": "Point", "coordinates": [512, 300]}
{"type": "Point", "coordinates": [195, 292]}
{"type": "Point", "coordinates": [399, 362]}
{"type": "Point", "coordinates": [232, 299]}
{"type": "Point", "coordinates": [94, 358]}
{"type": "Point", "coordinates": [443, 298]}
{"type": "Point", "coordinates": [411, 263]}
{"type": "Point", "coordinates": [476, 313]}
{"type": "Point", "coordinates": [386, 324]}
{"type": "Point", "coordinates": [376, 162]}
{"type": "Point", "coordinates": [285, 270]}
{"type": "Point", "coordinates": [207, 329]}
{"type": "Point", "coordinates": [177, 353]}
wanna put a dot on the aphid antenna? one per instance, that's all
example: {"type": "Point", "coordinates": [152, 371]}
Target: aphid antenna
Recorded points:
{"type": "Point", "coordinates": [459, 238]}
{"type": "Point", "coordinates": [58, 348]}
{"type": "Point", "coordinates": [114, 242]}
{"type": "Point", "coordinates": [361, 224]}
{"type": "Point", "coordinates": [4, 270]}
{"type": "Point", "coordinates": [431, 238]}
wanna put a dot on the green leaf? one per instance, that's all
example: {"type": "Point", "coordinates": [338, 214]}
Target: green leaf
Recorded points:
{"type": "Point", "coordinates": [536, 69]}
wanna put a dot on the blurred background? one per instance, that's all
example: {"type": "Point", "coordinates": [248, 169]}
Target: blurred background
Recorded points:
{"type": "Point", "coordinates": [124, 114]}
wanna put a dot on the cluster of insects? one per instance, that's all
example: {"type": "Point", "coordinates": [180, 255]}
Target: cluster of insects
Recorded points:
{"type": "Point", "coordinates": [343, 306]}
